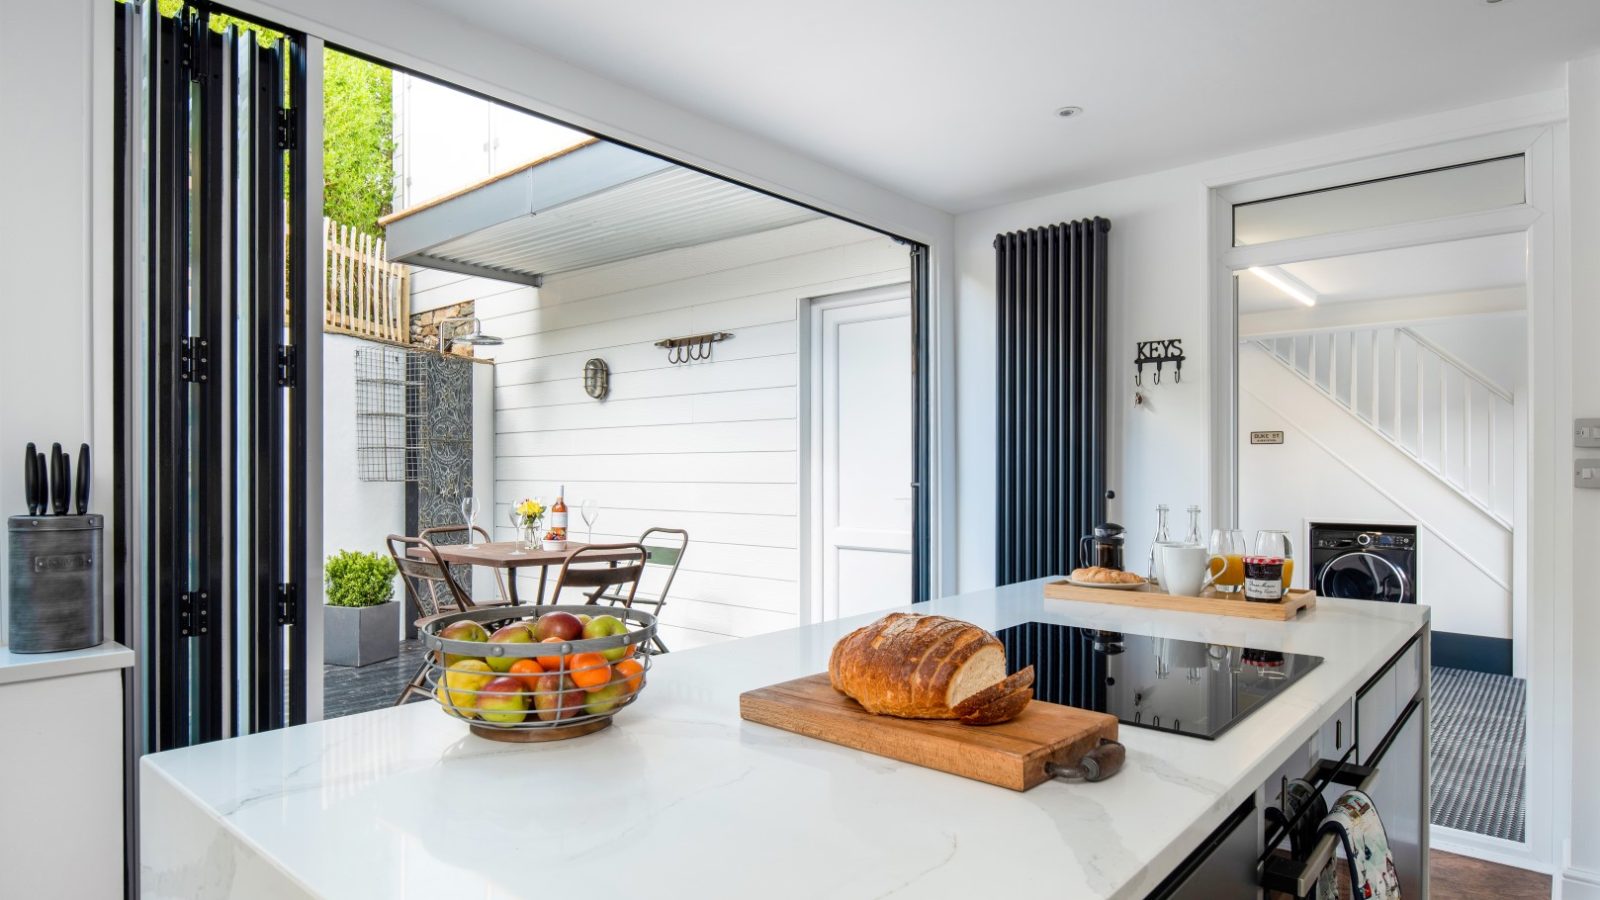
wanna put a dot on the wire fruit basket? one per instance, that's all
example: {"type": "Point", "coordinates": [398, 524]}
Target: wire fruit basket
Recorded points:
{"type": "Point", "coordinates": [491, 668]}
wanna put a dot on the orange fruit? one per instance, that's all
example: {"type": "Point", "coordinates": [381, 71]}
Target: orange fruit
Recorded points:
{"type": "Point", "coordinates": [528, 670]}
{"type": "Point", "coordinates": [633, 671]}
{"type": "Point", "coordinates": [554, 663]}
{"type": "Point", "coordinates": [590, 671]}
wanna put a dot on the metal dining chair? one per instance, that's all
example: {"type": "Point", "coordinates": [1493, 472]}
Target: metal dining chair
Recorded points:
{"type": "Point", "coordinates": [431, 590]}
{"type": "Point", "coordinates": [604, 575]}
{"type": "Point", "coordinates": [668, 556]}
{"type": "Point", "coordinates": [455, 535]}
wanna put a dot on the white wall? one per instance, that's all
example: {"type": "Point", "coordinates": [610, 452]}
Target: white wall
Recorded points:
{"type": "Point", "coordinates": [1581, 880]}
{"type": "Point", "coordinates": [1159, 288]}
{"type": "Point", "coordinates": [356, 514]}
{"type": "Point", "coordinates": [54, 253]}
{"type": "Point", "coordinates": [710, 447]}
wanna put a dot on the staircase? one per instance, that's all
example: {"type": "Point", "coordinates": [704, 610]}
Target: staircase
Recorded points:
{"type": "Point", "coordinates": [1449, 419]}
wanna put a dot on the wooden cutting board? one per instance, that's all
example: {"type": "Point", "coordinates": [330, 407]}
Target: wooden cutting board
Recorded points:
{"type": "Point", "coordinates": [1011, 754]}
{"type": "Point", "coordinates": [1295, 601]}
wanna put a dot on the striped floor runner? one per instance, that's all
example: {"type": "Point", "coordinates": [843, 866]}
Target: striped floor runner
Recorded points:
{"type": "Point", "coordinates": [1478, 759]}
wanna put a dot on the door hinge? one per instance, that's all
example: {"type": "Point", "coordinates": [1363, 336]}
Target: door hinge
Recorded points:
{"type": "Point", "coordinates": [194, 613]}
{"type": "Point", "coordinates": [190, 37]}
{"type": "Point", "coordinates": [288, 131]}
{"type": "Point", "coordinates": [288, 604]}
{"type": "Point", "coordinates": [288, 366]}
{"type": "Point", "coordinates": [195, 360]}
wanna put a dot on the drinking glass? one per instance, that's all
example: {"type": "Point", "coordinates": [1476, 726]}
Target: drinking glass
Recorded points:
{"type": "Point", "coordinates": [1271, 542]}
{"type": "Point", "coordinates": [521, 529]}
{"type": "Point", "coordinates": [469, 512]}
{"type": "Point", "coordinates": [590, 511]}
{"type": "Point", "coordinates": [1227, 560]}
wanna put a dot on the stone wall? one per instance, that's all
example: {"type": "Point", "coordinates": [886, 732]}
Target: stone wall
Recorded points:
{"type": "Point", "coordinates": [425, 327]}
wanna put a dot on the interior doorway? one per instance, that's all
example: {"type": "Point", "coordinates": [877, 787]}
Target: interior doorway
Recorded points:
{"type": "Point", "coordinates": [860, 451]}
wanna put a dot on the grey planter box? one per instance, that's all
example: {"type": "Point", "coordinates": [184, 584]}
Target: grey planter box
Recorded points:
{"type": "Point", "coordinates": [360, 635]}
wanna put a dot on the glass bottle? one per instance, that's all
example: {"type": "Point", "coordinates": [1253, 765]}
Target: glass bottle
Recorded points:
{"type": "Point", "coordinates": [1193, 537]}
{"type": "Point", "coordinates": [1160, 538]}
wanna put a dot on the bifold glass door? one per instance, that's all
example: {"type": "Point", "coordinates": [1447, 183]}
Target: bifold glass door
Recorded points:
{"type": "Point", "coordinates": [213, 309]}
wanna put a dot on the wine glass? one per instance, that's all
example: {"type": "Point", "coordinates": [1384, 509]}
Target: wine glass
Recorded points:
{"type": "Point", "coordinates": [516, 523]}
{"type": "Point", "coordinates": [1272, 542]}
{"type": "Point", "coordinates": [469, 512]}
{"type": "Point", "coordinates": [590, 511]}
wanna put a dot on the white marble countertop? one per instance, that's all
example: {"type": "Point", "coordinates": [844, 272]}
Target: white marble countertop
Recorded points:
{"type": "Point", "coordinates": [19, 667]}
{"type": "Point", "coordinates": [682, 797]}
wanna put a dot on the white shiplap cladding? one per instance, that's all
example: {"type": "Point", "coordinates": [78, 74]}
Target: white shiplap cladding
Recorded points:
{"type": "Point", "coordinates": [708, 446]}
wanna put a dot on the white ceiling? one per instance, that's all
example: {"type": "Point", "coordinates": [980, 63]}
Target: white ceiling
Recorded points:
{"type": "Point", "coordinates": [1470, 265]}
{"type": "Point", "coordinates": [952, 103]}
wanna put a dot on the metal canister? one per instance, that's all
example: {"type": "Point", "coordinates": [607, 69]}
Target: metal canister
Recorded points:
{"type": "Point", "coordinates": [56, 583]}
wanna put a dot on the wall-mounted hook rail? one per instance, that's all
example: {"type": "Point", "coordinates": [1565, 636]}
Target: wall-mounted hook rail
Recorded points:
{"type": "Point", "coordinates": [693, 348]}
{"type": "Point", "coordinates": [1159, 353]}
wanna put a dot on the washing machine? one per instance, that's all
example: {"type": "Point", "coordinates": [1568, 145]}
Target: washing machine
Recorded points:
{"type": "Point", "coordinates": [1364, 562]}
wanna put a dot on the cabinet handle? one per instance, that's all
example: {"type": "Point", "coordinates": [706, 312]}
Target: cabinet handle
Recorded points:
{"type": "Point", "coordinates": [1338, 734]}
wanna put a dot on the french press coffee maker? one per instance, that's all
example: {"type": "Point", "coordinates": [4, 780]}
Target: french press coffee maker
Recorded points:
{"type": "Point", "coordinates": [1103, 547]}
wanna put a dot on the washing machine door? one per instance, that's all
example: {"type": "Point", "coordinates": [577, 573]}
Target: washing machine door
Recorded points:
{"type": "Point", "coordinates": [1364, 576]}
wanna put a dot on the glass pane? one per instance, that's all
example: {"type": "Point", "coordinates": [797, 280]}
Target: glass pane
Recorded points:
{"type": "Point", "coordinates": [1474, 187]}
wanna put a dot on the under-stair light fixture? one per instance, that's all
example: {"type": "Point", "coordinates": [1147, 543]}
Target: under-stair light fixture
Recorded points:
{"type": "Point", "coordinates": [1067, 112]}
{"type": "Point", "coordinates": [1285, 282]}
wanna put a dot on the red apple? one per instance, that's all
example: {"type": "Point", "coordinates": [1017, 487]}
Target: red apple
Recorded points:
{"type": "Point", "coordinates": [607, 626]}
{"type": "Point", "coordinates": [558, 625]}
{"type": "Point", "coordinates": [462, 630]}
{"type": "Point", "coordinates": [558, 698]}
{"type": "Point", "coordinates": [515, 633]}
{"type": "Point", "coordinates": [502, 701]}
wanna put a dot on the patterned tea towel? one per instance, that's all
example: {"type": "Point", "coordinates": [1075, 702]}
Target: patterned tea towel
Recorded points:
{"type": "Point", "coordinates": [1366, 845]}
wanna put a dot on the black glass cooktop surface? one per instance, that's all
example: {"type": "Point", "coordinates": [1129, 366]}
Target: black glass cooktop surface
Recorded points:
{"type": "Point", "coordinates": [1187, 687]}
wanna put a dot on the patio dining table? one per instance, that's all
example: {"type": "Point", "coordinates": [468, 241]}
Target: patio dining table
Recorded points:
{"type": "Point", "coordinates": [506, 555]}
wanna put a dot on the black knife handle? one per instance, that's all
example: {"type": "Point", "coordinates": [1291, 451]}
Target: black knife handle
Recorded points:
{"type": "Point", "coordinates": [41, 482]}
{"type": "Point", "coordinates": [30, 479]}
{"type": "Point", "coordinates": [81, 495]}
{"type": "Point", "coordinates": [58, 480]}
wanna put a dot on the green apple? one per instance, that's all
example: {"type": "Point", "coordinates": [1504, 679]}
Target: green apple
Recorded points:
{"type": "Point", "coordinates": [502, 701]}
{"type": "Point", "coordinates": [462, 681]}
{"type": "Point", "coordinates": [607, 626]}
{"type": "Point", "coordinates": [606, 699]}
{"type": "Point", "coordinates": [462, 630]}
{"type": "Point", "coordinates": [515, 633]}
{"type": "Point", "coordinates": [585, 618]}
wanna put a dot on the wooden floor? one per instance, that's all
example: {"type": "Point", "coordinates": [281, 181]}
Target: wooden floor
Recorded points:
{"type": "Point", "coordinates": [1459, 878]}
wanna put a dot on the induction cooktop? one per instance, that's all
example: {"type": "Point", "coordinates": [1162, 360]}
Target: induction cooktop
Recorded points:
{"type": "Point", "coordinates": [1185, 687]}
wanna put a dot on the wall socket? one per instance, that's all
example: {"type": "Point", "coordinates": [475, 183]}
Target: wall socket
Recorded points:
{"type": "Point", "coordinates": [1586, 433]}
{"type": "Point", "coordinates": [1586, 473]}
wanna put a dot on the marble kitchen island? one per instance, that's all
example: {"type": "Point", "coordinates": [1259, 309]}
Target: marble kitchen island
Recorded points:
{"type": "Point", "coordinates": [682, 798]}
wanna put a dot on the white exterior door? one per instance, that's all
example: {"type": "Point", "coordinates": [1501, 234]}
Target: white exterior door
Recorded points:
{"type": "Point", "coordinates": [861, 450]}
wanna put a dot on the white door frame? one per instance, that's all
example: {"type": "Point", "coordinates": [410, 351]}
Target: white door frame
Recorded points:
{"type": "Point", "coordinates": [810, 432]}
{"type": "Point", "coordinates": [1539, 545]}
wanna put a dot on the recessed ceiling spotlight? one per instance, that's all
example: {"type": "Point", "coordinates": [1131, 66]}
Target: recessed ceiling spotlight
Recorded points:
{"type": "Point", "coordinates": [1067, 112]}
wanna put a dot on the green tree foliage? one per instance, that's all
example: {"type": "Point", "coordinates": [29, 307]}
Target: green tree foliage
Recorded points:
{"type": "Point", "coordinates": [357, 141]}
{"type": "Point", "coordinates": [357, 129]}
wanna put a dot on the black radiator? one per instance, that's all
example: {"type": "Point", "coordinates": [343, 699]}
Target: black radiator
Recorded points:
{"type": "Point", "coordinates": [1050, 291]}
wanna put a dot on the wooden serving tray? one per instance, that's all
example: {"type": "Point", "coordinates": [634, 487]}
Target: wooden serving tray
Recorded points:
{"type": "Point", "coordinates": [1011, 754]}
{"type": "Point", "coordinates": [1296, 601]}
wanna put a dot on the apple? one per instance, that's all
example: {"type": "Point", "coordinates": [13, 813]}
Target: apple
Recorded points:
{"type": "Point", "coordinates": [558, 698]}
{"type": "Point", "coordinates": [558, 625]}
{"type": "Point", "coordinates": [462, 681]}
{"type": "Point", "coordinates": [585, 618]}
{"type": "Point", "coordinates": [462, 630]}
{"type": "Point", "coordinates": [606, 699]}
{"type": "Point", "coordinates": [607, 626]}
{"type": "Point", "coordinates": [502, 701]}
{"type": "Point", "coordinates": [515, 633]}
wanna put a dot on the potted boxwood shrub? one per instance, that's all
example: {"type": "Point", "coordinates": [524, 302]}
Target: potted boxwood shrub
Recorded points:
{"type": "Point", "coordinates": [360, 625]}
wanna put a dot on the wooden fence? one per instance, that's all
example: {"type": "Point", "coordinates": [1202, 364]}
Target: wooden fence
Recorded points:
{"type": "Point", "coordinates": [363, 293]}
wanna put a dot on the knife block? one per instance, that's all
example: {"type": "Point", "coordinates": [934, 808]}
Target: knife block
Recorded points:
{"type": "Point", "coordinates": [56, 583]}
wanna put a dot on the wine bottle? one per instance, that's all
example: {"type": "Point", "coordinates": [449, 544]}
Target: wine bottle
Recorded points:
{"type": "Point", "coordinates": [558, 515]}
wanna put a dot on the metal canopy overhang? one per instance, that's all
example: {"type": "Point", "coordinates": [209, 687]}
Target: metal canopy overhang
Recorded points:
{"type": "Point", "coordinates": [590, 205]}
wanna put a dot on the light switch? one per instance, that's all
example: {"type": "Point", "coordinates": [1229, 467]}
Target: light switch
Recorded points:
{"type": "Point", "coordinates": [1586, 433]}
{"type": "Point", "coordinates": [1586, 473]}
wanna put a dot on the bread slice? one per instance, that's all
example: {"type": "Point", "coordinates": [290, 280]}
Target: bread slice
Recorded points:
{"type": "Point", "coordinates": [1000, 702]}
